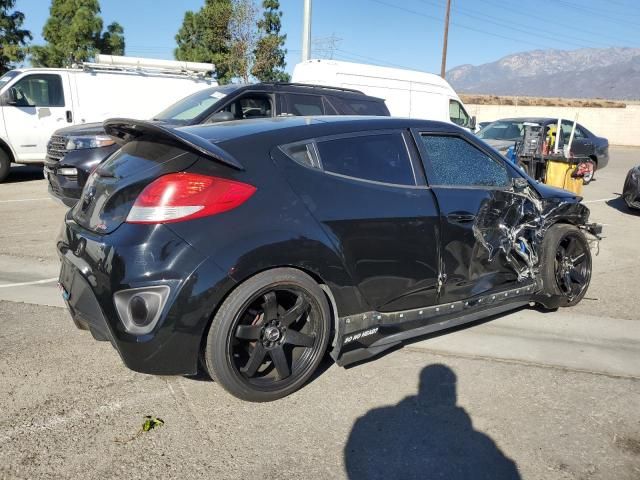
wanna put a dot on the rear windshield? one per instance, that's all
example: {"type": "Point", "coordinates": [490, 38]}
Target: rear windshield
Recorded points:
{"type": "Point", "coordinates": [186, 110]}
{"type": "Point", "coordinates": [502, 130]}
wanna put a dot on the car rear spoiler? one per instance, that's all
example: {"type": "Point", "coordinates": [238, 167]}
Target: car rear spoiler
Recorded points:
{"type": "Point", "coordinates": [124, 130]}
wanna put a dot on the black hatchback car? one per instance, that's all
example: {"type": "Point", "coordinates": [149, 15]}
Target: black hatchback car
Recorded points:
{"type": "Point", "coordinates": [74, 152]}
{"type": "Point", "coordinates": [252, 248]}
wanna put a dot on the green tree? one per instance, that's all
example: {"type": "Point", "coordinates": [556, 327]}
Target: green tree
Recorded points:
{"type": "Point", "coordinates": [269, 61]}
{"type": "Point", "coordinates": [13, 39]}
{"type": "Point", "coordinates": [204, 37]}
{"type": "Point", "coordinates": [112, 40]}
{"type": "Point", "coordinates": [74, 34]}
{"type": "Point", "coordinates": [244, 38]}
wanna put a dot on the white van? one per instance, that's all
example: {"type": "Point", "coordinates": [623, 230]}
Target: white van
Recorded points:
{"type": "Point", "coordinates": [34, 102]}
{"type": "Point", "coordinates": [407, 93]}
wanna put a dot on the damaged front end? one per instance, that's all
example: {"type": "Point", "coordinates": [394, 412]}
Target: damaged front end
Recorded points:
{"type": "Point", "coordinates": [512, 224]}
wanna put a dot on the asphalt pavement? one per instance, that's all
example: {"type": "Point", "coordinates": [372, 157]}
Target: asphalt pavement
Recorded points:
{"type": "Point", "coordinates": [527, 395]}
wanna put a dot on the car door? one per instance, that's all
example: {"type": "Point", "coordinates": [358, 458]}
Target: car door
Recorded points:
{"type": "Point", "coordinates": [482, 245]}
{"type": "Point", "coordinates": [582, 145]}
{"type": "Point", "coordinates": [40, 104]}
{"type": "Point", "coordinates": [366, 191]}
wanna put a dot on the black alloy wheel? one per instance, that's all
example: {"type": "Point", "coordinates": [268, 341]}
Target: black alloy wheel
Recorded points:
{"type": "Point", "coordinates": [565, 266]}
{"type": "Point", "coordinates": [572, 266]}
{"type": "Point", "coordinates": [274, 336]}
{"type": "Point", "coordinates": [269, 336]}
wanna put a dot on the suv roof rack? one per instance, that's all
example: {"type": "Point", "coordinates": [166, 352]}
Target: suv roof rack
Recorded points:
{"type": "Point", "coordinates": [309, 85]}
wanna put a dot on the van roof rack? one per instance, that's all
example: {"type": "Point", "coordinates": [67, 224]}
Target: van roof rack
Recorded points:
{"type": "Point", "coordinates": [137, 64]}
{"type": "Point", "coordinates": [308, 85]}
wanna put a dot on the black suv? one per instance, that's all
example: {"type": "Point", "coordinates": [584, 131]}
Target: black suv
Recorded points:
{"type": "Point", "coordinates": [74, 152]}
{"type": "Point", "coordinates": [252, 248]}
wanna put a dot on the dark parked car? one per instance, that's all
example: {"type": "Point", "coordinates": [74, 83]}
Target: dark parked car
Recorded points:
{"type": "Point", "coordinates": [254, 247]}
{"type": "Point", "coordinates": [74, 152]}
{"type": "Point", "coordinates": [503, 134]}
{"type": "Point", "coordinates": [631, 189]}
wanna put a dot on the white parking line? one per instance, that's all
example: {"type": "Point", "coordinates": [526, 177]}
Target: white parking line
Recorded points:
{"type": "Point", "coordinates": [25, 200]}
{"type": "Point", "coordinates": [600, 200]}
{"type": "Point", "coordinates": [24, 284]}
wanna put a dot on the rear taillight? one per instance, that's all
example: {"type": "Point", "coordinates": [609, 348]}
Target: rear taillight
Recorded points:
{"type": "Point", "coordinates": [184, 196]}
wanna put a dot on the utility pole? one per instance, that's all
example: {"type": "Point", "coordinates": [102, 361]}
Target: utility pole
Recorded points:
{"type": "Point", "coordinates": [443, 68]}
{"type": "Point", "coordinates": [306, 31]}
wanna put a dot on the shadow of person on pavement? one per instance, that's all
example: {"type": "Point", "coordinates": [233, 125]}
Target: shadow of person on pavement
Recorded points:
{"type": "Point", "coordinates": [426, 436]}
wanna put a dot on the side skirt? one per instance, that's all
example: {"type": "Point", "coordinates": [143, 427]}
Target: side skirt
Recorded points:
{"type": "Point", "coordinates": [366, 335]}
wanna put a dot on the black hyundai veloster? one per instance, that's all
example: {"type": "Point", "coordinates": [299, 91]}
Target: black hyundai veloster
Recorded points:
{"type": "Point", "coordinates": [250, 249]}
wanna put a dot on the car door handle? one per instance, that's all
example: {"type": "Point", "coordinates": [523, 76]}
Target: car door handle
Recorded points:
{"type": "Point", "coordinates": [461, 217]}
{"type": "Point", "coordinates": [69, 116]}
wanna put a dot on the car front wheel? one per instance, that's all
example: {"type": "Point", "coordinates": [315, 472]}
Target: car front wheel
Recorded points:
{"type": "Point", "coordinates": [269, 335]}
{"type": "Point", "coordinates": [565, 264]}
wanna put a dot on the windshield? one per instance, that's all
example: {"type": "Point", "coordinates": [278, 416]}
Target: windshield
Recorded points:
{"type": "Point", "coordinates": [187, 109]}
{"type": "Point", "coordinates": [7, 77]}
{"type": "Point", "coordinates": [502, 130]}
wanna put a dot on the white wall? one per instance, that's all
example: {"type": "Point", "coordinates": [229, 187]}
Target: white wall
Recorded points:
{"type": "Point", "coordinates": [620, 125]}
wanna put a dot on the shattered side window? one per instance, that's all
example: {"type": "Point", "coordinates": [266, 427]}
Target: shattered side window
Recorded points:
{"type": "Point", "coordinates": [455, 162]}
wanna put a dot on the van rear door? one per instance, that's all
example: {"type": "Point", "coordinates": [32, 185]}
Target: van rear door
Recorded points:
{"type": "Point", "coordinates": [36, 105]}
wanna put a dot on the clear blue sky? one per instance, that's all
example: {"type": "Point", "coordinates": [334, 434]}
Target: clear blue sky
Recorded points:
{"type": "Point", "coordinates": [404, 33]}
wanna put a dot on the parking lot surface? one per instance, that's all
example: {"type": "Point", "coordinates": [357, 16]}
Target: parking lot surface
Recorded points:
{"type": "Point", "coordinates": [527, 395]}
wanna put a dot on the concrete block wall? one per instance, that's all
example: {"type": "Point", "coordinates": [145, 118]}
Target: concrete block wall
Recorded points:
{"type": "Point", "coordinates": [620, 125]}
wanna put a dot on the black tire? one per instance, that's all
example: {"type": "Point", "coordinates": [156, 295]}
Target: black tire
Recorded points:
{"type": "Point", "coordinates": [5, 165]}
{"type": "Point", "coordinates": [248, 330]}
{"type": "Point", "coordinates": [565, 264]}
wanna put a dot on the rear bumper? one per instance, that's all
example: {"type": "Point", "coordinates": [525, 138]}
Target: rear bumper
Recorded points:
{"type": "Point", "coordinates": [94, 267]}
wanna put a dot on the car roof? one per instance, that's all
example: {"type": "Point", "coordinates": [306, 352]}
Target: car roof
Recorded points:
{"type": "Point", "coordinates": [312, 126]}
{"type": "Point", "coordinates": [531, 119]}
{"type": "Point", "coordinates": [308, 89]}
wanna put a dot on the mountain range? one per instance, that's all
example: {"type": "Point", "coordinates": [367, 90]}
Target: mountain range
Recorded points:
{"type": "Point", "coordinates": [612, 73]}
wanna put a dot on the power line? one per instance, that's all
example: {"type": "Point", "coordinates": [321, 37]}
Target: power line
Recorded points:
{"type": "Point", "coordinates": [489, 19]}
{"type": "Point", "coordinates": [584, 10]}
{"type": "Point", "coordinates": [549, 21]}
{"type": "Point", "coordinates": [460, 25]}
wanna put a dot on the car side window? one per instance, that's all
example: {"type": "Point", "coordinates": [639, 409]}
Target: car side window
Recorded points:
{"type": "Point", "coordinates": [457, 114]}
{"type": "Point", "coordinates": [379, 157]}
{"type": "Point", "coordinates": [350, 106]}
{"type": "Point", "coordinates": [39, 90]}
{"type": "Point", "coordinates": [456, 162]}
{"type": "Point", "coordinates": [300, 104]}
{"type": "Point", "coordinates": [250, 106]}
{"type": "Point", "coordinates": [566, 131]}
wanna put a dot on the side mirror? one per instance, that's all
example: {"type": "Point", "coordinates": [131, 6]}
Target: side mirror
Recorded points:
{"type": "Point", "coordinates": [11, 96]}
{"type": "Point", "coordinates": [519, 184]}
{"type": "Point", "coordinates": [221, 117]}
{"type": "Point", "coordinates": [472, 123]}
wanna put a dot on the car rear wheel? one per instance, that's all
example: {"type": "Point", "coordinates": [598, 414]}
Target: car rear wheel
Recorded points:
{"type": "Point", "coordinates": [5, 165]}
{"type": "Point", "coordinates": [269, 335]}
{"type": "Point", "coordinates": [565, 264]}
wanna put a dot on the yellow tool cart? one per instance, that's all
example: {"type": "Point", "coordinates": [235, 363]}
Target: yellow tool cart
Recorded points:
{"type": "Point", "coordinates": [539, 156]}
{"type": "Point", "coordinates": [562, 172]}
